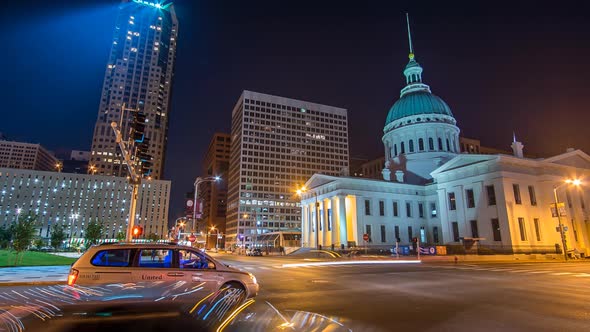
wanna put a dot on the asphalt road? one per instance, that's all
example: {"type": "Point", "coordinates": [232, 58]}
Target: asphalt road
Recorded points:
{"type": "Point", "coordinates": [428, 296]}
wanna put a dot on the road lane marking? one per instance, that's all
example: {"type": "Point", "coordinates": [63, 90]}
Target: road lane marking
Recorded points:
{"type": "Point", "coordinates": [314, 264]}
{"type": "Point", "coordinates": [582, 275]}
{"type": "Point", "coordinates": [518, 271]}
{"type": "Point", "coordinates": [561, 273]}
{"type": "Point", "coordinates": [535, 272]}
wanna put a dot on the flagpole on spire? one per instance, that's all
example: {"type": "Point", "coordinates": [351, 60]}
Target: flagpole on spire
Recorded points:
{"type": "Point", "coordinates": [411, 55]}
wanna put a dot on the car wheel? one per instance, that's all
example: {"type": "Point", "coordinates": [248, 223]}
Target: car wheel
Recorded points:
{"type": "Point", "coordinates": [234, 291]}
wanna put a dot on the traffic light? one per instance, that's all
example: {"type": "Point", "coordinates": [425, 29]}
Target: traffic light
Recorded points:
{"type": "Point", "coordinates": [137, 231]}
{"type": "Point", "coordinates": [141, 153]}
{"type": "Point", "coordinates": [138, 126]}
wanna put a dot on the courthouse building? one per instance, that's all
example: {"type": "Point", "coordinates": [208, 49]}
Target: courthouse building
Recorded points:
{"type": "Point", "coordinates": [431, 191]}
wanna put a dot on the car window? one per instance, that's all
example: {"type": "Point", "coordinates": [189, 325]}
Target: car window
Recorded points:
{"type": "Point", "coordinates": [112, 257]}
{"type": "Point", "coordinates": [189, 259]}
{"type": "Point", "coordinates": [155, 258]}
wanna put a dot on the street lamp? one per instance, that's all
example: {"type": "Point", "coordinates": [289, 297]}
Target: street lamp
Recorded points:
{"type": "Point", "coordinates": [577, 183]}
{"type": "Point", "coordinates": [198, 181]}
{"type": "Point", "coordinates": [91, 169]}
{"type": "Point", "coordinates": [216, 236]}
{"type": "Point", "coordinates": [317, 215]}
{"type": "Point", "coordinates": [59, 166]}
{"type": "Point", "coordinates": [179, 225]}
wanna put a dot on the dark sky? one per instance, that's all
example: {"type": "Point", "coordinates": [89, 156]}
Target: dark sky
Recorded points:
{"type": "Point", "coordinates": [502, 67]}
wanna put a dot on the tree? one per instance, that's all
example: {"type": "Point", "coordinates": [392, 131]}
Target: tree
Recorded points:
{"type": "Point", "coordinates": [58, 235]}
{"type": "Point", "coordinates": [121, 236]}
{"type": "Point", "coordinates": [93, 233]}
{"type": "Point", "coordinates": [153, 237]}
{"type": "Point", "coordinates": [5, 236]}
{"type": "Point", "coordinates": [23, 233]}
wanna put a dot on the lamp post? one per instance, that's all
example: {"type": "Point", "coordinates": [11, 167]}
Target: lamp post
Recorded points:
{"type": "Point", "coordinates": [576, 183]}
{"type": "Point", "coordinates": [198, 181]}
{"type": "Point", "coordinates": [179, 226]}
{"type": "Point", "coordinates": [91, 169]}
{"type": "Point", "coordinates": [216, 237]}
{"type": "Point", "coordinates": [59, 166]}
{"type": "Point", "coordinates": [317, 216]}
{"type": "Point", "coordinates": [255, 225]}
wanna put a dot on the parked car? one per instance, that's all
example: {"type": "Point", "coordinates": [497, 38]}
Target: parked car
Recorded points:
{"type": "Point", "coordinates": [254, 252]}
{"type": "Point", "coordinates": [146, 262]}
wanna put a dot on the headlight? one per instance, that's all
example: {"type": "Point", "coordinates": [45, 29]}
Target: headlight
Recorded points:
{"type": "Point", "coordinates": [252, 277]}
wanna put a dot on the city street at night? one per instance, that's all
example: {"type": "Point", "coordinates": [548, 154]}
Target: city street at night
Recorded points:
{"type": "Point", "coordinates": [520, 296]}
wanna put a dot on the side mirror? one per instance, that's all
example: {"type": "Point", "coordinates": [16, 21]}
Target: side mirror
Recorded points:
{"type": "Point", "coordinates": [210, 265]}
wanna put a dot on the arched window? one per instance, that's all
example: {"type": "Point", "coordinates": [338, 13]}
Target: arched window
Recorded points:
{"type": "Point", "coordinates": [430, 144]}
{"type": "Point", "coordinates": [403, 148]}
{"type": "Point", "coordinates": [448, 145]}
{"type": "Point", "coordinates": [395, 150]}
{"type": "Point", "coordinates": [420, 144]}
{"type": "Point", "coordinates": [440, 144]}
{"type": "Point", "coordinates": [411, 145]}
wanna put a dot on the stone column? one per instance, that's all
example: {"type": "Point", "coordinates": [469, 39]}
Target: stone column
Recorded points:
{"type": "Point", "coordinates": [304, 228]}
{"type": "Point", "coordinates": [342, 219]}
{"type": "Point", "coordinates": [335, 223]}
{"type": "Point", "coordinates": [321, 226]}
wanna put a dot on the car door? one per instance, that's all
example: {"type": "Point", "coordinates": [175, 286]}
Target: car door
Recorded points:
{"type": "Point", "coordinates": [152, 265]}
{"type": "Point", "coordinates": [197, 269]}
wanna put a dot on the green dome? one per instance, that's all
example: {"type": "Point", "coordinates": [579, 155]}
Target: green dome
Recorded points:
{"type": "Point", "coordinates": [415, 103]}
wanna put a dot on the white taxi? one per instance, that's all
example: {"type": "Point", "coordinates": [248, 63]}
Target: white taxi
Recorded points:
{"type": "Point", "coordinates": [145, 262]}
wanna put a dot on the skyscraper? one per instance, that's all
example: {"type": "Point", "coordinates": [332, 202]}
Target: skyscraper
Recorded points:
{"type": "Point", "coordinates": [214, 193]}
{"type": "Point", "coordinates": [277, 143]}
{"type": "Point", "coordinates": [138, 77]}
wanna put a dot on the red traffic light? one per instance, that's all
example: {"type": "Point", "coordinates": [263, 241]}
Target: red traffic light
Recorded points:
{"type": "Point", "coordinates": [137, 231]}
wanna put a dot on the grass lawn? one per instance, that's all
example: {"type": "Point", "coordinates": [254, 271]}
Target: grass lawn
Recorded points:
{"type": "Point", "coordinates": [33, 258]}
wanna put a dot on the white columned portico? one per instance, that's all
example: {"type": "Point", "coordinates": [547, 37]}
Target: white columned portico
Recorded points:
{"type": "Point", "coordinates": [320, 221]}
{"type": "Point", "coordinates": [335, 224]}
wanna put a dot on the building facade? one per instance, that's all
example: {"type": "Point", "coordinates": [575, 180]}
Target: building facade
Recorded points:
{"type": "Point", "coordinates": [76, 199]}
{"type": "Point", "coordinates": [277, 143]}
{"type": "Point", "coordinates": [497, 203]}
{"type": "Point", "coordinates": [26, 156]}
{"type": "Point", "coordinates": [214, 194]}
{"type": "Point", "coordinates": [138, 77]}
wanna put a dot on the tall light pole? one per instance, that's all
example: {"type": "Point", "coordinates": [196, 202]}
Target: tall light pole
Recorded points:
{"type": "Point", "coordinates": [59, 166]}
{"type": "Point", "coordinates": [317, 216]}
{"type": "Point", "coordinates": [576, 183]}
{"type": "Point", "coordinates": [198, 181]}
{"type": "Point", "coordinates": [254, 213]}
{"type": "Point", "coordinates": [216, 236]}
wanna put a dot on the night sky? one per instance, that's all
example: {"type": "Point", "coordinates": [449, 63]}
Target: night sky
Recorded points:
{"type": "Point", "coordinates": [502, 67]}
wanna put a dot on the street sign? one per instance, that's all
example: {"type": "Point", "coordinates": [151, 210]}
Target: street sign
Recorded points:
{"type": "Point", "coordinates": [366, 237]}
{"type": "Point", "coordinates": [562, 211]}
{"type": "Point", "coordinates": [192, 238]}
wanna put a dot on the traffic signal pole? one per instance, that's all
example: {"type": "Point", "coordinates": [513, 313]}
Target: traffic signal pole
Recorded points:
{"type": "Point", "coordinates": [134, 178]}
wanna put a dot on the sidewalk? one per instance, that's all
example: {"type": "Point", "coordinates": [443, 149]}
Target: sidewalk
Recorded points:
{"type": "Point", "coordinates": [26, 275]}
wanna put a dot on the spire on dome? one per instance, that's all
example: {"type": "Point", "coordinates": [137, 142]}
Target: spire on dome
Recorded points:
{"type": "Point", "coordinates": [411, 55]}
{"type": "Point", "coordinates": [413, 70]}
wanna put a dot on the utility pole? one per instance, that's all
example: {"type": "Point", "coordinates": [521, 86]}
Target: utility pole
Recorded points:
{"type": "Point", "coordinates": [126, 147]}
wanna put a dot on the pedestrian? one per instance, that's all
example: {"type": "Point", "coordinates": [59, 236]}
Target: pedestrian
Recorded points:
{"type": "Point", "coordinates": [153, 255]}
{"type": "Point", "coordinates": [282, 249]}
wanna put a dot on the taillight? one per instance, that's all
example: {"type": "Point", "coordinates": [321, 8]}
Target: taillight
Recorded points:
{"type": "Point", "coordinates": [72, 277]}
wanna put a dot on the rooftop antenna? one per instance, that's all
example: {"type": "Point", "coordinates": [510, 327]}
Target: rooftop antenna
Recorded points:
{"type": "Point", "coordinates": [411, 55]}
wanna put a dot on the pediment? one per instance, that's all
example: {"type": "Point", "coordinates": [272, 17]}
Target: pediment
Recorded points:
{"type": "Point", "coordinates": [461, 161]}
{"type": "Point", "coordinates": [576, 158]}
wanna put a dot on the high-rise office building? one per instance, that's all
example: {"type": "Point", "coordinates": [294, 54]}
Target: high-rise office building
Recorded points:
{"type": "Point", "coordinates": [277, 144]}
{"type": "Point", "coordinates": [214, 194]}
{"type": "Point", "coordinates": [26, 156]}
{"type": "Point", "coordinates": [138, 77]}
{"type": "Point", "coordinates": [74, 200]}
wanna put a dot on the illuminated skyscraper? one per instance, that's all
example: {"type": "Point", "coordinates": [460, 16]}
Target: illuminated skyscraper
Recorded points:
{"type": "Point", "coordinates": [138, 77]}
{"type": "Point", "coordinates": [277, 144]}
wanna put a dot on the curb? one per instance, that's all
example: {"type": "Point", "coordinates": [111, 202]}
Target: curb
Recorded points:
{"type": "Point", "coordinates": [33, 283]}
